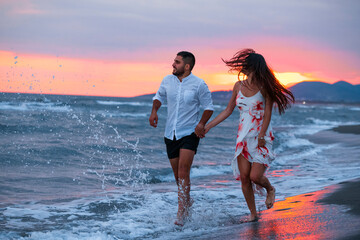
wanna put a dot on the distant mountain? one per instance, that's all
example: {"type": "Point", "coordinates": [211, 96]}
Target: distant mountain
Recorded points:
{"type": "Point", "coordinates": [324, 92]}
{"type": "Point", "coordinates": [313, 91]}
{"type": "Point", "coordinates": [305, 91]}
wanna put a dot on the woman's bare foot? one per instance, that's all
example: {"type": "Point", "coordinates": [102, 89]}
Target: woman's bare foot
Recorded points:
{"type": "Point", "coordinates": [270, 198]}
{"type": "Point", "coordinates": [251, 218]}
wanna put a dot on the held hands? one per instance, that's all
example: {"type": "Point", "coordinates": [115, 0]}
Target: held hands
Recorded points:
{"type": "Point", "coordinates": [200, 130]}
{"type": "Point", "coordinates": [207, 129]}
{"type": "Point", "coordinates": [153, 119]}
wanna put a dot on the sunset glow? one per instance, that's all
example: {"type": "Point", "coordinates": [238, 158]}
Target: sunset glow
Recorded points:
{"type": "Point", "coordinates": [91, 58]}
{"type": "Point", "coordinates": [291, 78]}
{"type": "Point", "coordinates": [58, 75]}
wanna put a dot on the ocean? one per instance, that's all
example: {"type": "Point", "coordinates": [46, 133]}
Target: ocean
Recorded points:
{"type": "Point", "coordinates": [76, 167]}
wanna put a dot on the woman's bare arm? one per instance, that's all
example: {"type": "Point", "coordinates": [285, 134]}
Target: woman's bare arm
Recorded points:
{"type": "Point", "coordinates": [227, 111]}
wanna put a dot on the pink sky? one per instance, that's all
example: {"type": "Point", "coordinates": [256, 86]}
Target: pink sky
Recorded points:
{"type": "Point", "coordinates": [112, 48]}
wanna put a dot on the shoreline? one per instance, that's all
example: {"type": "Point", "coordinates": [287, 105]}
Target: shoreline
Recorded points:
{"type": "Point", "coordinates": [347, 135]}
{"type": "Point", "coordinates": [330, 213]}
{"type": "Point", "coordinates": [347, 129]}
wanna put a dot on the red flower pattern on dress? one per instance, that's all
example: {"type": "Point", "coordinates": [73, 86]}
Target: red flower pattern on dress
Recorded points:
{"type": "Point", "coordinates": [256, 120]}
{"type": "Point", "coordinates": [245, 150]}
{"type": "Point", "coordinates": [271, 136]}
{"type": "Point", "coordinates": [264, 151]}
{"type": "Point", "coordinates": [257, 113]}
{"type": "Point", "coordinates": [240, 127]}
{"type": "Point", "coordinates": [258, 106]}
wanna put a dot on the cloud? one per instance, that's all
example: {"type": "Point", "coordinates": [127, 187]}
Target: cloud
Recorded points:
{"type": "Point", "coordinates": [314, 38]}
{"type": "Point", "coordinates": [106, 26]}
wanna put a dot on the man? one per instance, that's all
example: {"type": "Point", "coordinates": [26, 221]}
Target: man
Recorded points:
{"type": "Point", "coordinates": [184, 93]}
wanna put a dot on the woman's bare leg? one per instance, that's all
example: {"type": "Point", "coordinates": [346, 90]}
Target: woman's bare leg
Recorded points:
{"type": "Point", "coordinates": [245, 169]}
{"type": "Point", "coordinates": [257, 176]}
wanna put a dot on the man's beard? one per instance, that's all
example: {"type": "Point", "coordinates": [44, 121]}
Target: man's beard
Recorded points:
{"type": "Point", "coordinates": [179, 72]}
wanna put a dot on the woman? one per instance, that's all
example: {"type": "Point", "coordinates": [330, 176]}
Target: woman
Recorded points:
{"type": "Point", "coordinates": [254, 96]}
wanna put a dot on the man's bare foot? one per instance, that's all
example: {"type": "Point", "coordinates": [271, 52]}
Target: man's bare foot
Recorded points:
{"type": "Point", "coordinates": [191, 202]}
{"type": "Point", "coordinates": [182, 216]}
{"type": "Point", "coordinates": [179, 222]}
{"type": "Point", "coordinates": [270, 198]}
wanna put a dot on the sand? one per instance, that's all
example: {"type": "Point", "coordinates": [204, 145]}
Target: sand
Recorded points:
{"type": "Point", "coordinates": [331, 213]}
{"type": "Point", "coordinates": [352, 129]}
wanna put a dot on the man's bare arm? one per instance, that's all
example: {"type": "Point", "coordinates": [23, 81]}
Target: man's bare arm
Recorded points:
{"type": "Point", "coordinates": [153, 119]}
{"type": "Point", "coordinates": [200, 128]}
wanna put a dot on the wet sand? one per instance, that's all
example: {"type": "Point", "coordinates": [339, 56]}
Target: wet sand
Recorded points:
{"type": "Point", "coordinates": [353, 129]}
{"type": "Point", "coordinates": [347, 135]}
{"type": "Point", "coordinates": [331, 213]}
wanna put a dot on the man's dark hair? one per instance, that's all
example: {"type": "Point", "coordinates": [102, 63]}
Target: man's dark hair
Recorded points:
{"type": "Point", "coordinates": [188, 58]}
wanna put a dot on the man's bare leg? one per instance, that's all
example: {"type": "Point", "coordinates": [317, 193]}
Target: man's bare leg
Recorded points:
{"type": "Point", "coordinates": [175, 166]}
{"type": "Point", "coordinates": [185, 161]}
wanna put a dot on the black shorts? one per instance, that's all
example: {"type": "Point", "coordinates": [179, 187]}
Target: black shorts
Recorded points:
{"type": "Point", "coordinates": [173, 147]}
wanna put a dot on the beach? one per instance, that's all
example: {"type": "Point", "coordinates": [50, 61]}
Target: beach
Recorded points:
{"type": "Point", "coordinates": [92, 168]}
{"type": "Point", "coordinates": [331, 213]}
{"type": "Point", "coordinates": [352, 129]}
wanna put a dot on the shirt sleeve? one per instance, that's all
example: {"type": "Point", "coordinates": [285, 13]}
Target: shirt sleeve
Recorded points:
{"type": "Point", "coordinates": [161, 93]}
{"type": "Point", "coordinates": [205, 97]}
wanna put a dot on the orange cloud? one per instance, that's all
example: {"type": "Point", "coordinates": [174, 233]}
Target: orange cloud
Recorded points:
{"type": "Point", "coordinates": [54, 75]}
{"type": "Point", "coordinates": [30, 73]}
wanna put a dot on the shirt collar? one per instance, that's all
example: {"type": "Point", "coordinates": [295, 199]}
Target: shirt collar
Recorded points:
{"type": "Point", "coordinates": [188, 77]}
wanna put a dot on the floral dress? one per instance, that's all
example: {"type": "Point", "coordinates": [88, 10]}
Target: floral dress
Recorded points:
{"type": "Point", "coordinates": [251, 118]}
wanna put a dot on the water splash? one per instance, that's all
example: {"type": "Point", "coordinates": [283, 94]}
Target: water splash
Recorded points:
{"type": "Point", "coordinates": [115, 165]}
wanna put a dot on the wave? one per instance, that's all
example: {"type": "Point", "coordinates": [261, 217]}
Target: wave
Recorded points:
{"type": "Point", "coordinates": [126, 115]}
{"type": "Point", "coordinates": [201, 171]}
{"type": "Point", "coordinates": [30, 106]}
{"type": "Point", "coordinates": [313, 125]}
{"type": "Point", "coordinates": [116, 103]}
{"type": "Point", "coordinates": [329, 123]}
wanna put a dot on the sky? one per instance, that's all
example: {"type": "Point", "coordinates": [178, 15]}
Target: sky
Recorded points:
{"type": "Point", "coordinates": [125, 48]}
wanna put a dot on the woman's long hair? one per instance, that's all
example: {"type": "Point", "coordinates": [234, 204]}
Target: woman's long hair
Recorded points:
{"type": "Point", "coordinates": [247, 61]}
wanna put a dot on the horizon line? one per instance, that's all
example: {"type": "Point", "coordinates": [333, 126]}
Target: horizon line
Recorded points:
{"type": "Point", "coordinates": [112, 96]}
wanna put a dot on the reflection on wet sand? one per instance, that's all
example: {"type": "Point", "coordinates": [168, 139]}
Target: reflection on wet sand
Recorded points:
{"type": "Point", "coordinates": [301, 217]}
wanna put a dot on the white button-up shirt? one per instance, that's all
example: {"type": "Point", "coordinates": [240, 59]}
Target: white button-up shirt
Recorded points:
{"type": "Point", "coordinates": [183, 103]}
